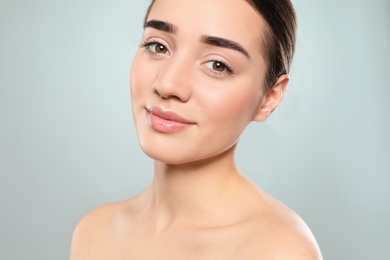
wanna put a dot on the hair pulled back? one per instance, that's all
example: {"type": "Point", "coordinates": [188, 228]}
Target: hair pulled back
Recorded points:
{"type": "Point", "coordinates": [279, 40]}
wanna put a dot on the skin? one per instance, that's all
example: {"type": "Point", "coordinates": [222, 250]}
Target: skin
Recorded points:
{"type": "Point", "coordinates": [199, 205]}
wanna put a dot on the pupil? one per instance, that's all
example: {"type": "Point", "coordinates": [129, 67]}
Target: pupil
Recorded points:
{"type": "Point", "coordinates": [161, 48]}
{"type": "Point", "coordinates": [218, 66]}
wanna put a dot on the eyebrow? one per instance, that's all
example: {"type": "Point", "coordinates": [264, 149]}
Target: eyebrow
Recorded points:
{"type": "Point", "coordinates": [161, 26]}
{"type": "Point", "coordinates": [224, 43]}
{"type": "Point", "coordinates": [210, 40]}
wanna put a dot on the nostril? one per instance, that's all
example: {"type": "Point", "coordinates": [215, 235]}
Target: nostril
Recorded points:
{"type": "Point", "coordinates": [155, 90]}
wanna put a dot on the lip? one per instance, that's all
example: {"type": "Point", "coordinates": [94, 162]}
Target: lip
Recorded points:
{"type": "Point", "coordinates": [166, 121]}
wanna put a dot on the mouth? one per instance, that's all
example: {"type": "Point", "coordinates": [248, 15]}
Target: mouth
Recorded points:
{"type": "Point", "coordinates": [166, 121]}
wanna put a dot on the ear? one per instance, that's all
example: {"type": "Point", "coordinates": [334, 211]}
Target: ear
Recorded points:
{"type": "Point", "coordinates": [272, 99]}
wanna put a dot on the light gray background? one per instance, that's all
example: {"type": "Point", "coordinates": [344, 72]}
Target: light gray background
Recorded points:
{"type": "Point", "coordinates": [68, 145]}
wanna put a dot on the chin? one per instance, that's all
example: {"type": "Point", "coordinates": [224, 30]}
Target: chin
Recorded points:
{"type": "Point", "coordinates": [170, 156]}
{"type": "Point", "coordinates": [171, 149]}
{"type": "Point", "coordinates": [179, 154]}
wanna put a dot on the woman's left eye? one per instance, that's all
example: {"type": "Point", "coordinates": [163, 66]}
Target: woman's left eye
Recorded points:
{"type": "Point", "coordinates": [218, 66]}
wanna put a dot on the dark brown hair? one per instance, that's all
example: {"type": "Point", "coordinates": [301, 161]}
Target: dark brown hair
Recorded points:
{"type": "Point", "coordinates": [280, 37]}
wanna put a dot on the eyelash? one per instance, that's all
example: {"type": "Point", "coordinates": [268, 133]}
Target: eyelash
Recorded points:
{"type": "Point", "coordinates": [229, 69]}
{"type": "Point", "coordinates": [147, 44]}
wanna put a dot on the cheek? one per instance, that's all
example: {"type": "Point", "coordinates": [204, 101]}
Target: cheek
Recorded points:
{"type": "Point", "coordinates": [227, 113]}
{"type": "Point", "coordinates": [233, 103]}
{"type": "Point", "coordinates": [139, 80]}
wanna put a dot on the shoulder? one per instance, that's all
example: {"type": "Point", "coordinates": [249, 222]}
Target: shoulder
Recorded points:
{"type": "Point", "coordinates": [94, 228]}
{"type": "Point", "coordinates": [281, 234]}
{"type": "Point", "coordinates": [291, 240]}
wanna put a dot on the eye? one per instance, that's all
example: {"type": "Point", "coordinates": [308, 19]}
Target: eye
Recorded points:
{"type": "Point", "coordinates": [158, 48]}
{"type": "Point", "coordinates": [218, 67]}
{"type": "Point", "coordinates": [155, 47]}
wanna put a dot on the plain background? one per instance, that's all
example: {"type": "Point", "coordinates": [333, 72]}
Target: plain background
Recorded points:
{"type": "Point", "coordinates": [68, 144]}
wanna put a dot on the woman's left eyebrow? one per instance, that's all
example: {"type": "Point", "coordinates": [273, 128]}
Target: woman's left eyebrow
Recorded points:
{"type": "Point", "coordinates": [224, 43]}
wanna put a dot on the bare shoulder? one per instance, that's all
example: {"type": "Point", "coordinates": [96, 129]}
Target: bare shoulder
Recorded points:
{"type": "Point", "coordinates": [282, 234]}
{"type": "Point", "coordinates": [291, 239]}
{"type": "Point", "coordinates": [96, 219]}
{"type": "Point", "coordinates": [96, 228]}
{"type": "Point", "coordinates": [91, 226]}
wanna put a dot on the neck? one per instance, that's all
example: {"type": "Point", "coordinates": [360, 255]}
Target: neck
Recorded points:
{"type": "Point", "coordinates": [194, 191]}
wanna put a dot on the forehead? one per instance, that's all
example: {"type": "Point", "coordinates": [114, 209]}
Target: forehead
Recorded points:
{"type": "Point", "coordinates": [232, 19]}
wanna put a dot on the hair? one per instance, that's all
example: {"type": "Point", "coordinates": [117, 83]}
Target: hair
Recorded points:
{"type": "Point", "coordinates": [279, 39]}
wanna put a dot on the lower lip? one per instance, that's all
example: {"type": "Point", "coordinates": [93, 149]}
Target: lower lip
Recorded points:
{"type": "Point", "coordinates": [164, 125]}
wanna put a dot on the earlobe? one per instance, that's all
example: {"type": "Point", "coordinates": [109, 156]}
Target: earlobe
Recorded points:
{"type": "Point", "coordinates": [272, 99]}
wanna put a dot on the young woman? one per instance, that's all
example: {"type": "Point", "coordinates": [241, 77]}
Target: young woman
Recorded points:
{"type": "Point", "coordinates": [203, 72]}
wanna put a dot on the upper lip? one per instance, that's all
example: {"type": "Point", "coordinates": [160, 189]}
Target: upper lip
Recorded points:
{"type": "Point", "coordinates": [168, 115]}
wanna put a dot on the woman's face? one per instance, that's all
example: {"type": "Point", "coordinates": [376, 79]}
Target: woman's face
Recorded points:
{"type": "Point", "coordinates": [196, 80]}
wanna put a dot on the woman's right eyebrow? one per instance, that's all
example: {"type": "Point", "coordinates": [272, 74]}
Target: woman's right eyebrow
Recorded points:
{"type": "Point", "coordinates": [161, 26]}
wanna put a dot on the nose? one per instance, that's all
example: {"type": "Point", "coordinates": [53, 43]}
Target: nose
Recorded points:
{"type": "Point", "coordinates": [173, 80]}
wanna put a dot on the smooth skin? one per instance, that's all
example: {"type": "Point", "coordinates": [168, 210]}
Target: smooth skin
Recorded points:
{"type": "Point", "coordinates": [199, 205]}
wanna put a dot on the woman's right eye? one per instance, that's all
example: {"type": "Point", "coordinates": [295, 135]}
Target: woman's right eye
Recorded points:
{"type": "Point", "coordinates": [155, 47]}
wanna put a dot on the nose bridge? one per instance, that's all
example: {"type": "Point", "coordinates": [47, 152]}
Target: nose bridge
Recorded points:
{"type": "Point", "coordinates": [173, 79]}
